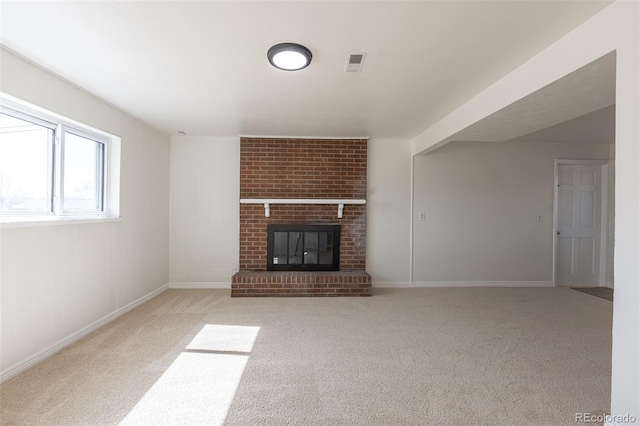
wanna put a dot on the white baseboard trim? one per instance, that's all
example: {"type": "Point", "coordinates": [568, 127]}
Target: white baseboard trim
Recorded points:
{"type": "Point", "coordinates": [29, 362]}
{"type": "Point", "coordinates": [184, 286]}
{"type": "Point", "coordinates": [484, 284]}
{"type": "Point", "coordinates": [390, 285]}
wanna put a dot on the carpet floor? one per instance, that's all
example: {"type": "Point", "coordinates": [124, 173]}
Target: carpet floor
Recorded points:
{"type": "Point", "coordinates": [436, 356]}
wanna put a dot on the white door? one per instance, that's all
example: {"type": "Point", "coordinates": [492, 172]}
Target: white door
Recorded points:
{"type": "Point", "coordinates": [578, 225]}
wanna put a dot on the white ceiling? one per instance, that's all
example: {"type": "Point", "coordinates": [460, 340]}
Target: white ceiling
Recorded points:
{"type": "Point", "coordinates": [564, 110]}
{"type": "Point", "coordinates": [597, 127]}
{"type": "Point", "coordinates": [201, 67]}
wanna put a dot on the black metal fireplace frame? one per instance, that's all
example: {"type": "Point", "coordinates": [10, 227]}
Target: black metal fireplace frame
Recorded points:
{"type": "Point", "coordinates": [333, 229]}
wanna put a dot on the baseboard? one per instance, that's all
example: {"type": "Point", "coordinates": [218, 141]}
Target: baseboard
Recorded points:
{"type": "Point", "coordinates": [390, 285]}
{"type": "Point", "coordinates": [484, 284]}
{"type": "Point", "coordinates": [29, 362]}
{"type": "Point", "coordinates": [184, 286]}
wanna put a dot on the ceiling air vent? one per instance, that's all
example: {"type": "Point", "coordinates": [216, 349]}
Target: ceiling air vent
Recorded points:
{"type": "Point", "coordinates": [354, 62]}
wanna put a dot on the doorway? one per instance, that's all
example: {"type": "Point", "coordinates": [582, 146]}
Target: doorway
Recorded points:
{"type": "Point", "coordinates": [580, 223]}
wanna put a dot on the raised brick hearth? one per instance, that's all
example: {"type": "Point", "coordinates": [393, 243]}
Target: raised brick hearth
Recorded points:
{"type": "Point", "coordinates": [302, 169]}
{"type": "Point", "coordinates": [301, 284]}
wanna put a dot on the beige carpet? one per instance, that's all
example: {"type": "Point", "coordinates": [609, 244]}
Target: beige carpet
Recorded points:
{"type": "Point", "coordinates": [457, 356]}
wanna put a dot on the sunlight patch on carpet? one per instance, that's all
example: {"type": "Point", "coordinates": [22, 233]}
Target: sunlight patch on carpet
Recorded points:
{"type": "Point", "coordinates": [198, 387]}
{"type": "Point", "coordinates": [225, 338]}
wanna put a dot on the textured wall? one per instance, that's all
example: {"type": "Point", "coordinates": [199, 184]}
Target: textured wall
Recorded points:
{"type": "Point", "coordinates": [302, 168]}
{"type": "Point", "coordinates": [481, 202]}
{"type": "Point", "coordinates": [57, 280]}
{"type": "Point", "coordinates": [204, 210]}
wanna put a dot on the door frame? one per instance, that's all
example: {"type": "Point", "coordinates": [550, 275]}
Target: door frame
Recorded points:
{"type": "Point", "coordinates": [604, 217]}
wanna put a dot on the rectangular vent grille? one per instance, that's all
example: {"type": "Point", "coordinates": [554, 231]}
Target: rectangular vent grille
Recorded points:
{"type": "Point", "coordinates": [355, 62]}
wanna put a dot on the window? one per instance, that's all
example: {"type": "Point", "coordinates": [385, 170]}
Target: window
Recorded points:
{"type": "Point", "coordinates": [26, 164]}
{"type": "Point", "coordinates": [50, 167]}
{"type": "Point", "coordinates": [82, 173]}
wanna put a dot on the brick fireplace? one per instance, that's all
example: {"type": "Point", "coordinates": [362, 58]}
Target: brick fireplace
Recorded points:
{"type": "Point", "coordinates": [302, 169]}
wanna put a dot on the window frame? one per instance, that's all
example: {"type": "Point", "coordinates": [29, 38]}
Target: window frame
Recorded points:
{"type": "Point", "coordinates": [59, 126]}
{"type": "Point", "coordinates": [101, 172]}
{"type": "Point", "coordinates": [20, 115]}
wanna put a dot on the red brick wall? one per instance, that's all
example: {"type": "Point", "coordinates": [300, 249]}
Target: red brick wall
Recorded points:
{"type": "Point", "coordinates": [302, 168]}
{"type": "Point", "coordinates": [300, 284]}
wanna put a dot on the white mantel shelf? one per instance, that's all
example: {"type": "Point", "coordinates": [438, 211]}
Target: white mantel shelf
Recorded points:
{"type": "Point", "coordinates": [267, 201]}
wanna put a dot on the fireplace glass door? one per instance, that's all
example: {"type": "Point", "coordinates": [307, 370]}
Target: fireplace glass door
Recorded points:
{"type": "Point", "coordinates": [303, 247]}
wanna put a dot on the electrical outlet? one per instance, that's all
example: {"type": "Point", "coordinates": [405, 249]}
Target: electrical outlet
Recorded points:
{"type": "Point", "coordinates": [539, 218]}
{"type": "Point", "coordinates": [549, 207]}
{"type": "Point", "coordinates": [422, 216]}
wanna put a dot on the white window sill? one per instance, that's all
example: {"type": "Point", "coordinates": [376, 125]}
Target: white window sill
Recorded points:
{"type": "Point", "coordinates": [26, 222]}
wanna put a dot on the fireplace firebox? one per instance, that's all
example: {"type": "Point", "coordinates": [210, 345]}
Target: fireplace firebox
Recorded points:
{"type": "Point", "coordinates": [303, 247]}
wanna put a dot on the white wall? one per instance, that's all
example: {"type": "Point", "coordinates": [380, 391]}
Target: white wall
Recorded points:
{"type": "Point", "coordinates": [481, 202]}
{"type": "Point", "coordinates": [615, 28]}
{"type": "Point", "coordinates": [58, 280]}
{"type": "Point", "coordinates": [388, 211]}
{"type": "Point", "coordinates": [205, 176]}
{"type": "Point", "coordinates": [205, 179]}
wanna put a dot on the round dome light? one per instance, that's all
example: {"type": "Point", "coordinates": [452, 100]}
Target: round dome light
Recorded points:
{"type": "Point", "coordinates": [289, 56]}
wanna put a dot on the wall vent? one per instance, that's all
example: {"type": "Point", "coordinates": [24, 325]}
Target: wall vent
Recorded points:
{"type": "Point", "coordinates": [355, 62]}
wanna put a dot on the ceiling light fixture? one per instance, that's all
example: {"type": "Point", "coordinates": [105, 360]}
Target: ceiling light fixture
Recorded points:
{"type": "Point", "coordinates": [289, 56]}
